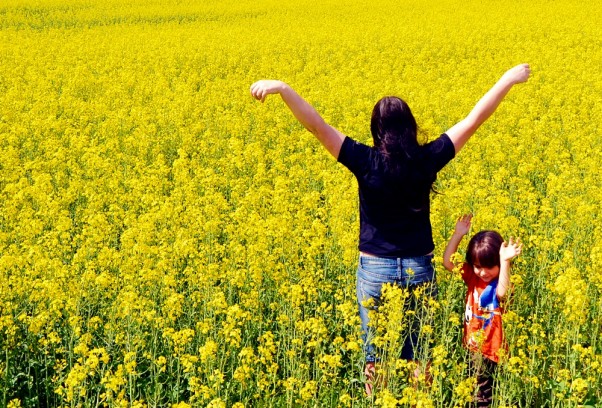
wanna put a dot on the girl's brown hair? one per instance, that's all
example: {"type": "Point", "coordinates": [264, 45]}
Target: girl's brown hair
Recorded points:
{"type": "Point", "coordinates": [484, 249]}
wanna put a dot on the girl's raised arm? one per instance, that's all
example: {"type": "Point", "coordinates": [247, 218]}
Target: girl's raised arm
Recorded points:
{"type": "Point", "coordinates": [508, 250]}
{"type": "Point", "coordinates": [330, 137]}
{"type": "Point", "coordinates": [463, 130]}
{"type": "Point", "coordinates": [462, 228]}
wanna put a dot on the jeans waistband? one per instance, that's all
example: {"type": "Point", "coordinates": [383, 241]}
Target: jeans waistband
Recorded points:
{"type": "Point", "coordinates": [411, 260]}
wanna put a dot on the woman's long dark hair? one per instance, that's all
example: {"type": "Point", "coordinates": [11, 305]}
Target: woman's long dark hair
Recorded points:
{"type": "Point", "coordinates": [394, 130]}
{"type": "Point", "coordinates": [395, 134]}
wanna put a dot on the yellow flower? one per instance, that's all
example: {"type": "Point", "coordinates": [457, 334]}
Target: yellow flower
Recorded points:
{"type": "Point", "coordinates": [386, 400]}
{"type": "Point", "coordinates": [208, 350]}
{"type": "Point", "coordinates": [464, 391]}
{"type": "Point", "coordinates": [579, 388]}
{"type": "Point", "coordinates": [308, 390]}
{"type": "Point", "coordinates": [14, 403]}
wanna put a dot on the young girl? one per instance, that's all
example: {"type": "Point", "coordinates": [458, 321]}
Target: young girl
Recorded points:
{"type": "Point", "coordinates": [486, 273]}
{"type": "Point", "coordinates": [394, 182]}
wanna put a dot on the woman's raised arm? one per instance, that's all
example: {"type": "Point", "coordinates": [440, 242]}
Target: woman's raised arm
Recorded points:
{"type": "Point", "coordinates": [330, 137]}
{"type": "Point", "coordinates": [463, 130]}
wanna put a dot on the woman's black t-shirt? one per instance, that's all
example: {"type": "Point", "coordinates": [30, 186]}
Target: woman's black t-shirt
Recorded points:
{"type": "Point", "coordinates": [394, 205]}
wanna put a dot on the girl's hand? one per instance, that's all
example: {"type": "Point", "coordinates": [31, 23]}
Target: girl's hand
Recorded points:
{"type": "Point", "coordinates": [518, 74]}
{"type": "Point", "coordinates": [510, 249]}
{"type": "Point", "coordinates": [463, 225]}
{"type": "Point", "coordinates": [261, 89]}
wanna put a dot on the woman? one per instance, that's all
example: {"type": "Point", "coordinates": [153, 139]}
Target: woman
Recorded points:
{"type": "Point", "coordinates": [394, 179]}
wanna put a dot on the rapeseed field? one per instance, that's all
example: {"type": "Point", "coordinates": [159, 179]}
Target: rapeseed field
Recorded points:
{"type": "Point", "coordinates": [165, 240]}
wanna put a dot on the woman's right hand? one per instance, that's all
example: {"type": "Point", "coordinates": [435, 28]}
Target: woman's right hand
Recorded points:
{"type": "Point", "coordinates": [518, 74]}
{"type": "Point", "coordinates": [265, 87]}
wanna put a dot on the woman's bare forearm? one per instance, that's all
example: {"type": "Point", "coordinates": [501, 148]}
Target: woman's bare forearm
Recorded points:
{"type": "Point", "coordinates": [463, 130]}
{"type": "Point", "coordinates": [305, 113]}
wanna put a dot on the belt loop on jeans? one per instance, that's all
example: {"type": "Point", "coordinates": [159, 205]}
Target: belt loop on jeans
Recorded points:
{"type": "Point", "coordinates": [399, 265]}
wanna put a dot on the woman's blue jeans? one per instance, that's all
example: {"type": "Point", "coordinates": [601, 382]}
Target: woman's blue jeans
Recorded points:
{"type": "Point", "coordinates": [409, 273]}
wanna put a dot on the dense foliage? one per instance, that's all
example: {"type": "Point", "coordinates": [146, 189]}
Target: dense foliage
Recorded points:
{"type": "Point", "coordinates": [165, 239]}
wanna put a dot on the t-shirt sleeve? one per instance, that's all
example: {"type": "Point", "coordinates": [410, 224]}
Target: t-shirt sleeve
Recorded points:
{"type": "Point", "coordinates": [439, 152]}
{"type": "Point", "coordinates": [355, 156]}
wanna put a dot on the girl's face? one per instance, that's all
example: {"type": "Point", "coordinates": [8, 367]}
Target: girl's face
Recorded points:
{"type": "Point", "coordinates": [486, 274]}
